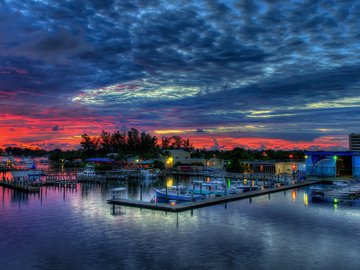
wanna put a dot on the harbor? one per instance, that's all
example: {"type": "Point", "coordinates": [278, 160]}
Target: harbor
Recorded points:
{"type": "Point", "coordinates": [247, 224]}
{"type": "Point", "coordinates": [174, 207]}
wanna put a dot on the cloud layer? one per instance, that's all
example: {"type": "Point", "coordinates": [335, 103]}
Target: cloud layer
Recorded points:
{"type": "Point", "coordinates": [239, 73]}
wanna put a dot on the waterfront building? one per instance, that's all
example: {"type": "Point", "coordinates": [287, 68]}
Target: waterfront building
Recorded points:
{"type": "Point", "coordinates": [178, 156]}
{"type": "Point", "coordinates": [354, 142]}
{"type": "Point", "coordinates": [263, 166]}
{"type": "Point", "coordinates": [289, 167]}
{"type": "Point", "coordinates": [333, 163]}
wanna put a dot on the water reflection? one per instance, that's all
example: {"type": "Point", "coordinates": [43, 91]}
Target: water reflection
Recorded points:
{"type": "Point", "coordinates": [306, 199]}
{"type": "Point", "coordinates": [247, 234]}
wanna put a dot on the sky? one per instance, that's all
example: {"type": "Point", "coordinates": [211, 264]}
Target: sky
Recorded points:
{"type": "Point", "coordinates": [247, 73]}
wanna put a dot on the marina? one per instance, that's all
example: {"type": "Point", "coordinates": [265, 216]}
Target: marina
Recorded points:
{"type": "Point", "coordinates": [174, 207]}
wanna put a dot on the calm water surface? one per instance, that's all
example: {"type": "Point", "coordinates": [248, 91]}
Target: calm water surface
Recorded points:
{"type": "Point", "coordinates": [77, 229]}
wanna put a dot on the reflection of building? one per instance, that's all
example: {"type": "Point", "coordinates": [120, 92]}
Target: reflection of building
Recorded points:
{"type": "Point", "coordinates": [354, 142]}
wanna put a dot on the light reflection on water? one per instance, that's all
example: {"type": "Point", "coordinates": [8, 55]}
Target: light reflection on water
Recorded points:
{"type": "Point", "coordinates": [76, 229]}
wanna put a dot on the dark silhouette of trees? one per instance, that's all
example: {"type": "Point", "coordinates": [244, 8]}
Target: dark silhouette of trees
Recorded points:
{"type": "Point", "coordinates": [18, 151]}
{"type": "Point", "coordinates": [131, 143]}
{"type": "Point", "coordinates": [89, 145]}
{"type": "Point", "coordinates": [176, 142]}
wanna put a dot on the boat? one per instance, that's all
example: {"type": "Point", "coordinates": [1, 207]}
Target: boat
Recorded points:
{"type": "Point", "coordinates": [150, 173]}
{"type": "Point", "coordinates": [244, 186]}
{"type": "Point", "coordinates": [117, 193]}
{"type": "Point", "coordinates": [30, 174]}
{"type": "Point", "coordinates": [178, 193]}
{"type": "Point", "coordinates": [210, 189]}
{"type": "Point", "coordinates": [335, 193]}
{"type": "Point", "coordinates": [89, 171]}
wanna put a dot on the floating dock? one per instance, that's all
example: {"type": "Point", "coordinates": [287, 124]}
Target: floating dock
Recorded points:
{"type": "Point", "coordinates": [206, 202]}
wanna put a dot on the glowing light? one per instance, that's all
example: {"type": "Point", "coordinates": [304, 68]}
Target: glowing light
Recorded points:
{"type": "Point", "coordinates": [306, 200]}
{"type": "Point", "coordinates": [169, 162]}
{"type": "Point", "coordinates": [170, 182]}
{"type": "Point", "coordinates": [293, 195]}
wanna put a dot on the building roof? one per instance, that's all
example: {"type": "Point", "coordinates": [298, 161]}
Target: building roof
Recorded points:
{"type": "Point", "coordinates": [105, 160]}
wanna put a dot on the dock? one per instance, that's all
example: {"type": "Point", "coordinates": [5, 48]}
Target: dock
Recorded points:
{"type": "Point", "coordinates": [207, 202]}
{"type": "Point", "coordinates": [20, 186]}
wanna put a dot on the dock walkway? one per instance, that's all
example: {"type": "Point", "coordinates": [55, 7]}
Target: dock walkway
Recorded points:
{"type": "Point", "coordinates": [207, 202]}
{"type": "Point", "coordinates": [18, 185]}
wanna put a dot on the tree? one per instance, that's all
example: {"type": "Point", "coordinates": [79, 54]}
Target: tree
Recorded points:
{"type": "Point", "coordinates": [177, 142]}
{"type": "Point", "coordinates": [105, 142]}
{"type": "Point", "coordinates": [118, 142]}
{"type": "Point", "coordinates": [133, 140]}
{"type": "Point", "coordinates": [89, 145]}
{"type": "Point", "coordinates": [234, 166]}
{"type": "Point", "coordinates": [165, 142]}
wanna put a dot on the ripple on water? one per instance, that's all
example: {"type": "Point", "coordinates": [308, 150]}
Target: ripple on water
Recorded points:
{"type": "Point", "coordinates": [78, 230]}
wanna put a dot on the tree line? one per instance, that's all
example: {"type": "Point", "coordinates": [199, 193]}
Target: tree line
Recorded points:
{"type": "Point", "coordinates": [147, 146]}
{"type": "Point", "coordinates": [131, 143]}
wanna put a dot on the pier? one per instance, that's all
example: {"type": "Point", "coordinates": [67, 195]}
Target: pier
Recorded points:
{"type": "Point", "coordinates": [19, 185]}
{"type": "Point", "coordinates": [207, 202]}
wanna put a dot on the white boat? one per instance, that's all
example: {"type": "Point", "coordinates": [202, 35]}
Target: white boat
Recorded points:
{"type": "Point", "coordinates": [150, 173]}
{"type": "Point", "coordinates": [118, 193]}
{"type": "Point", "coordinates": [210, 189]}
{"type": "Point", "coordinates": [335, 193]}
{"type": "Point", "coordinates": [89, 171]}
{"type": "Point", "coordinates": [244, 186]}
{"type": "Point", "coordinates": [177, 193]}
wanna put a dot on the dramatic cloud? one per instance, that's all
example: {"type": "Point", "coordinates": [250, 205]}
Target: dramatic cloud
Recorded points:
{"type": "Point", "coordinates": [249, 73]}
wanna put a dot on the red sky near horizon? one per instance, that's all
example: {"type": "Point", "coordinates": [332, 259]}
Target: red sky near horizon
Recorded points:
{"type": "Point", "coordinates": [65, 133]}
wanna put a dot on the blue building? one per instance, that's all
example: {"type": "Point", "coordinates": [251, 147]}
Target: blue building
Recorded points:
{"type": "Point", "coordinates": [333, 163]}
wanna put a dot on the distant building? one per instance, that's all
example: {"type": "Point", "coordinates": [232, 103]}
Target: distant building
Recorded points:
{"type": "Point", "coordinates": [333, 163]}
{"type": "Point", "coordinates": [287, 167]}
{"type": "Point", "coordinates": [178, 156]}
{"type": "Point", "coordinates": [354, 142]}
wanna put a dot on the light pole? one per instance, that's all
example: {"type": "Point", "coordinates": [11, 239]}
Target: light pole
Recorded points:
{"type": "Point", "coordinates": [335, 159]}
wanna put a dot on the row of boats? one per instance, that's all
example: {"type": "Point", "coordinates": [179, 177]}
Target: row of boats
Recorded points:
{"type": "Point", "coordinates": [338, 191]}
{"type": "Point", "coordinates": [89, 171]}
{"type": "Point", "coordinates": [199, 190]}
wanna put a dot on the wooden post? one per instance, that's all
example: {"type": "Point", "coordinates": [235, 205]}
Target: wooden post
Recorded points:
{"type": "Point", "coordinates": [166, 194]}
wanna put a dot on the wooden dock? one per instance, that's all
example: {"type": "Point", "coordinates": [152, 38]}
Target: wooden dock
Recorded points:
{"type": "Point", "coordinates": [207, 202]}
{"type": "Point", "coordinates": [19, 185]}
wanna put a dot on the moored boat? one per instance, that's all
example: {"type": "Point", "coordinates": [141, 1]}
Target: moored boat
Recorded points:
{"type": "Point", "coordinates": [209, 189]}
{"type": "Point", "coordinates": [178, 193]}
{"type": "Point", "coordinates": [117, 193]}
{"type": "Point", "coordinates": [89, 171]}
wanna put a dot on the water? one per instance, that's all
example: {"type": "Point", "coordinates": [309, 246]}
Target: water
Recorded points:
{"type": "Point", "coordinates": [77, 229]}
